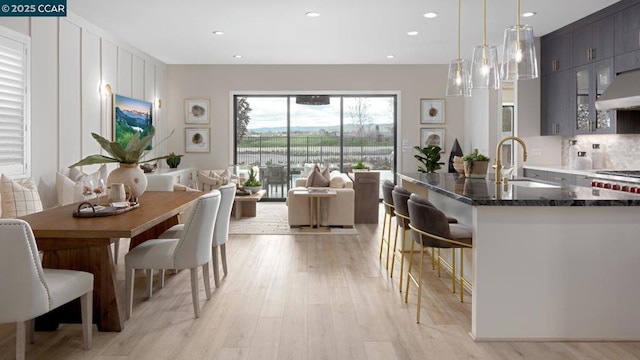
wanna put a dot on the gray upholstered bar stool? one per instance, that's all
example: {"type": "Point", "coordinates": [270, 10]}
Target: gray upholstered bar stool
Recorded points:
{"type": "Point", "coordinates": [431, 228]}
{"type": "Point", "coordinates": [400, 197]}
{"type": "Point", "coordinates": [387, 201]}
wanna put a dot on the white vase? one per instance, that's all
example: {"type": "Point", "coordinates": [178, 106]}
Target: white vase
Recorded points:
{"type": "Point", "coordinates": [130, 175]}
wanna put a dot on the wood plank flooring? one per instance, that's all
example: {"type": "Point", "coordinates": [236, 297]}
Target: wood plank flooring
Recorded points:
{"type": "Point", "coordinates": [300, 297]}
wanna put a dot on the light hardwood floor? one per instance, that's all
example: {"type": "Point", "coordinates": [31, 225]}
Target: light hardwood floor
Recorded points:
{"type": "Point", "coordinates": [300, 297]}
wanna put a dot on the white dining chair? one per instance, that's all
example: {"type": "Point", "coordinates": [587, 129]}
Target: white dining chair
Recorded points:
{"type": "Point", "coordinates": [220, 233]}
{"type": "Point", "coordinates": [191, 250]}
{"type": "Point", "coordinates": [27, 290]}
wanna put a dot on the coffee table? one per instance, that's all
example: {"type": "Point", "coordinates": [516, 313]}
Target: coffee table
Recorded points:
{"type": "Point", "coordinates": [245, 205]}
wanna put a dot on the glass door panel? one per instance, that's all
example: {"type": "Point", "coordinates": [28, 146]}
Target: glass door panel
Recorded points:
{"type": "Point", "coordinates": [604, 76]}
{"type": "Point", "coordinates": [582, 100]}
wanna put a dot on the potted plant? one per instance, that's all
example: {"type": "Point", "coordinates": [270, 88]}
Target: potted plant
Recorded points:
{"type": "Point", "coordinates": [128, 157]}
{"type": "Point", "coordinates": [360, 166]}
{"type": "Point", "coordinates": [429, 157]}
{"type": "Point", "coordinates": [475, 164]}
{"type": "Point", "coordinates": [252, 183]}
{"type": "Point", "coordinates": [173, 160]}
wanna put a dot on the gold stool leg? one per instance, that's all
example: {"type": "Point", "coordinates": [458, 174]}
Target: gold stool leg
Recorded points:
{"type": "Point", "coordinates": [384, 224]}
{"type": "Point", "coordinates": [393, 253]}
{"type": "Point", "coordinates": [453, 270]}
{"type": "Point", "coordinates": [406, 293]}
{"type": "Point", "coordinates": [388, 242]}
{"type": "Point", "coordinates": [420, 281]}
{"type": "Point", "coordinates": [433, 258]}
{"type": "Point", "coordinates": [401, 254]}
{"type": "Point", "coordinates": [438, 262]}
{"type": "Point", "coordinates": [461, 274]}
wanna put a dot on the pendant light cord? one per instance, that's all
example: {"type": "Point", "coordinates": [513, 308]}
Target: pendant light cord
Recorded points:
{"type": "Point", "coordinates": [459, 6]}
{"type": "Point", "coordinates": [518, 26]}
{"type": "Point", "coordinates": [484, 29]}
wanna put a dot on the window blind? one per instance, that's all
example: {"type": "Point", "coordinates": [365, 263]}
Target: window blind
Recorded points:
{"type": "Point", "coordinates": [14, 139]}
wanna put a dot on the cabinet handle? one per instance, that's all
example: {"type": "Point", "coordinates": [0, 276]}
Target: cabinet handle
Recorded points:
{"type": "Point", "coordinates": [559, 178]}
{"type": "Point", "coordinates": [588, 54]}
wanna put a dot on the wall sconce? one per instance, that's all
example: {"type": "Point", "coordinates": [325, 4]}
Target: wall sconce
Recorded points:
{"type": "Point", "coordinates": [519, 60]}
{"type": "Point", "coordinates": [158, 103]}
{"type": "Point", "coordinates": [105, 90]}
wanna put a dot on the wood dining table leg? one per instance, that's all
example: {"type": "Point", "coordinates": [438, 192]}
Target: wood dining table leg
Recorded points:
{"type": "Point", "coordinates": [98, 260]}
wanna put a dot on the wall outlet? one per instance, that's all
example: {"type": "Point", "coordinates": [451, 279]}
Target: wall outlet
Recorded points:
{"type": "Point", "coordinates": [536, 152]}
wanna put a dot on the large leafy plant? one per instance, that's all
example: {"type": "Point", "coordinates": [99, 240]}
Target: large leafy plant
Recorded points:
{"type": "Point", "coordinates": [133, 153]}
{"type": "Point", "coordinates": [429, 157]}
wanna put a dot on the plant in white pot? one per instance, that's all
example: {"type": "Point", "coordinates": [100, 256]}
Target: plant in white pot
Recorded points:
{"type": "Point", "coordinates": [252, 183]}
{"type": "Point", "coordinates": [128, 157]}
{"type": "Point", "coordinates": [475, 164]}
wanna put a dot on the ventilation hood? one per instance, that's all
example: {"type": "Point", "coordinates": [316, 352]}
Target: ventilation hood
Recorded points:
{"type": "Point", "coordinates": [623, 93]}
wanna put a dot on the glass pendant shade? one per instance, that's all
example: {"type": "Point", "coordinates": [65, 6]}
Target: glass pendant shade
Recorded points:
{"type": "Point", "coordinates": [519, 57]}
{"type": "Point", "coordinates": [458, 80]}
{"type": "Point", "coordinates": [484, 68]}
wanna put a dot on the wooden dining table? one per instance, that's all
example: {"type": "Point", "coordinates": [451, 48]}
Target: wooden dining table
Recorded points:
{"type": "Point", "coordinates": [69, 242]}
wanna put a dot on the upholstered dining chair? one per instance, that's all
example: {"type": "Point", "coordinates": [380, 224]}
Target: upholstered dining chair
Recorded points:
{"type": "Point", "coordinates": [27, 290]}
{"type": "Point", "coordinates": [432, 228]}
{"type": "Point", "coordinates": [220, 232]}
{"type": "Point", "coordinates": [389, 214]}
{"type": "Point", "coordinates": [190, 251]}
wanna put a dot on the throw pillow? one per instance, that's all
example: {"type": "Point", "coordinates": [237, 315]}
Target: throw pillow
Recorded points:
{"type": "Point", "coordinates": [337, 182]}
{"type": "Point", "coordinates": [19, 197]}
{"type": "Point", "coordinates": [316, 179]}
{"type": "Point", "coordinates": [325, 172]}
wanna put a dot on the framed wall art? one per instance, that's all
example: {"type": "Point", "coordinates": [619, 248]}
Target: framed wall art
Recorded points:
{"type": "Point", "coordinates": [432, 111]}
{"type": "Point", "coordinates": [129, 117]}
{"type": "Point", "coordinates": [197, 139]}
{"type": "Point", "coordinates": [432, 136]}
{"type": "Point", "coordinates": [197, 111]}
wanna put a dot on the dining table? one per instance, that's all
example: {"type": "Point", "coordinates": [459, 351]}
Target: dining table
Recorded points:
{"type": "Point", "coordinates": [83, 243]}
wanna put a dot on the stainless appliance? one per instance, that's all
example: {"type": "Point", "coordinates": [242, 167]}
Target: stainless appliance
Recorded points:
{"type": "Point", "coordinates": [621, 180]}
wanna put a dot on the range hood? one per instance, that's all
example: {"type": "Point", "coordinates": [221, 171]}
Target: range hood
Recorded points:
{"type": "Point", "coordinates": [623, 93]}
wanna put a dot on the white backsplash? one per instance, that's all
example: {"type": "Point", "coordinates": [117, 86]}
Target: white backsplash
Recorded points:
{"type": "Point", "coordinates": [621, 152]}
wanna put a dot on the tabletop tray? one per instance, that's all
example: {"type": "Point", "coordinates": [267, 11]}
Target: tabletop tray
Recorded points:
{"type": "Point", "coordinates": [106, 211]}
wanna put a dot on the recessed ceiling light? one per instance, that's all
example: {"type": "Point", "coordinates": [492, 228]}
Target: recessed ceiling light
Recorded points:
{"type": "Point", "coordinates": [412, 33]}
{"type": "Point", "coordinates": [312, 14]}
{"type": "Point", "coordinates": [390, 56]}
{"type": "Point", "coordinates": [237, 56]}
{"type": "Point", "coordinates": [528, 14]}
{"type": "Point", "coordinates": [217, 32]}
{"type": "Point", "coordinates": [431, 15]}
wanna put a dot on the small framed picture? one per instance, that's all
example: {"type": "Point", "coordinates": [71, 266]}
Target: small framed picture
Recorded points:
{"type": "Point", "coordinates": [433, 136]}
{"type": "Point", "coordinates": [197, 111]}
{"type": "Point", "coordinates": [432, 111]}
{"type": "Point", "coordinates": [197, 139]}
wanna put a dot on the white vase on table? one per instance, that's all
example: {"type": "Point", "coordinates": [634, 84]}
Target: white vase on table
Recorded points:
{"type": "Point", "coordinates": [130, 175]}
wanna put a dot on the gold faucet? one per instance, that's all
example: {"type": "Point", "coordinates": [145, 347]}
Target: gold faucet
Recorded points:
{"type": "Point", "coordinates": [498, 164]}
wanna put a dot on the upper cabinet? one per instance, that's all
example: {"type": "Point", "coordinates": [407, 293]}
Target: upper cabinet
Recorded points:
{"type": "Point", "coordinates": [588, 54]}
{"type": "Point", "coordinates": [627, 30]}
{"type": "Point", "coordinates": [593, 42]}
{"type": "Point", "coordinates": [556, 54]}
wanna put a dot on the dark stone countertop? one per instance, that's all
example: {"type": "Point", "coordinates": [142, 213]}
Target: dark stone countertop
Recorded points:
{"type": "Point", "coordinates": [483, 192]}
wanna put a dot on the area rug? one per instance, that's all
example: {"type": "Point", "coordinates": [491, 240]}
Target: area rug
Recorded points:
{"type": "Point", "coordinates": [271, 219]}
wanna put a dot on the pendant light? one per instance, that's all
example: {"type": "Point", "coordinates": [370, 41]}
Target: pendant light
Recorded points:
{"type": "Point", "coordinates": [484, 65]}
{"type": "Point", "coordinates": [458, 80]}
{"type": "Point", "coordinates": [519, 60]}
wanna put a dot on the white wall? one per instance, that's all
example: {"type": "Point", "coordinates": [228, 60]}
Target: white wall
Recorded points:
{"type": "Point", "coordinates": [215, 82]}
{"type": "Point", "coordinates": [70, 60]}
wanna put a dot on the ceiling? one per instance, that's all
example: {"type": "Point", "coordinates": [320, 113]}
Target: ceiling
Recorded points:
{"type": "Point", "coordinates": [346, 32]}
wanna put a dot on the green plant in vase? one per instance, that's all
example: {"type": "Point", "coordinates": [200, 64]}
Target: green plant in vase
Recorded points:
{"type": "Point", "coordinates": [173, 160]}
{"type": "Point", "coordinates": [252, 183]}
{"type": "Point", "coordinates": [475, 164]}
{"type": "Point", "coordinates": [429, 157]}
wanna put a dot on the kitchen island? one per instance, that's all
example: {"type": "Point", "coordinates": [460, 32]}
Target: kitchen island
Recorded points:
{"type": "Point", "coordinates": [548, 262]}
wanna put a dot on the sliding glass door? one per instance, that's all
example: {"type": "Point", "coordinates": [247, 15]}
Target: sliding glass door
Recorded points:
{"type": "Point", "coordinates": [279, 134]}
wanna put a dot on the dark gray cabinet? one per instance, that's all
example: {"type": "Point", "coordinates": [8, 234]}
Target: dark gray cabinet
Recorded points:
{"type": "Point", "coordinates": [627, 30]}
{"type": "Point", "coordinates": [627, 62]}
{"type": "Point", "coordinates": [593, 42]}
{"type": "Point", "coordinates": [558, 103]}
{"type": "Point", "coordinates": [556, 53]}
{"type": "Point", "coordinates": [591, 81]}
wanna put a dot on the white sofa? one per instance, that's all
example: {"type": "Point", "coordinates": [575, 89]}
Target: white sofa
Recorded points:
{"type": "Point", "coordinates": [335, 211]}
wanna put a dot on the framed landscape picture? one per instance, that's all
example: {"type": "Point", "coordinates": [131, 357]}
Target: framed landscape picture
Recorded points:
{"type": "Point", "coordinates": [197, 111]}
{"type": "Point", "coordinates": [129, 117]}
{"type": "Point", "coordinates": [433, 137]}
{"type": "Point", "coordinates": [197, 139]}
{"type": "Point", "coordinates": [432, 111]}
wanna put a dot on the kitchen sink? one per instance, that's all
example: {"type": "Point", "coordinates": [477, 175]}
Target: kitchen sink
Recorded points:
{"type": "Point", "coordinates": [533, 184]}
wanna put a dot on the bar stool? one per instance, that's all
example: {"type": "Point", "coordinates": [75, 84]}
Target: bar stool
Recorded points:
{"type": "Point", "coordinates": [431, 228]}
{"type": "Point", "coordinates": [400, 197]}
{"type": "Point", "coordinates": [387, 201]}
